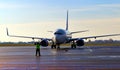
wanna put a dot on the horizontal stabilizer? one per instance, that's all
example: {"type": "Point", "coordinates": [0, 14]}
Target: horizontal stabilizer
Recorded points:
{"type": "Point", "coordinates": [50, 31]}
{"type": "Point", "coordinates": [79, 31]}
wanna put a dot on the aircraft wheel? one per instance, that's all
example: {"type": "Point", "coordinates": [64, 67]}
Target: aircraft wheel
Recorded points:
{"type": "Point", "coordinates": [58, 47]}
{"type": "Point", "coordinates": [73, 46]}
{"type": "Point", "coordinates": [53, 46]}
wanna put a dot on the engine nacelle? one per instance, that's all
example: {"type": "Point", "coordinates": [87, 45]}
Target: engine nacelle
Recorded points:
{"type": "Point", "coordinates": [80, 42]}
{"type": "Point", "coordinates": [44, 43]}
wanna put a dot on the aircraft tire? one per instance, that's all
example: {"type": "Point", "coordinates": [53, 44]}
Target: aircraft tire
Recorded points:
{"type": "Point", "coordinates": [55, 46]}
{"type": "Point", "coordinates": [52, 46]}
{"type": "Point", "coordinates": [73, 46]}
{"type": "Point", "coordinates": [58, 48]}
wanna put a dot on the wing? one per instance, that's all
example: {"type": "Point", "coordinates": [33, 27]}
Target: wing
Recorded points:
{"type": "Point", "coordinates": [96, 36]}
{"type": "Point", "coordinates": [26, 36]}
{"type": "Point", "coordinates": [79, 31]}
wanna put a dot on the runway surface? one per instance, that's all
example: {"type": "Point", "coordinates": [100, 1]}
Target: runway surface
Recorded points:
{"type": "Point", "coordinates": [85, 58]}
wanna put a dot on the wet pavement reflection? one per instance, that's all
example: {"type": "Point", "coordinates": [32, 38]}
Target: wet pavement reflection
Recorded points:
{"type": "Point", "coordinates": [93, 58]}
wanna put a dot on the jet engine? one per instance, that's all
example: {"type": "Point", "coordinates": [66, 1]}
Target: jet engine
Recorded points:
{"type": "Point", "coordinates": [44, 43]}
{"type": "Point", "coordinates": [80, 42]}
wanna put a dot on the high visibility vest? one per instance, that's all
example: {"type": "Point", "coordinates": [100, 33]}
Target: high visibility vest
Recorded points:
{"type": "Point", "coordinates": [38, 46]}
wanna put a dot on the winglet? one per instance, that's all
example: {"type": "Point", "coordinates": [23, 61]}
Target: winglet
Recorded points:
{"type": "Point", "coordinates": [7, 31]}
{"type": "Point", "coordinates": [67, 21]}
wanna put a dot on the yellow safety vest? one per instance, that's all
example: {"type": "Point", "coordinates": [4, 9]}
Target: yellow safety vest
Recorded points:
{"type": "Point", "coordinates": [38, 46]}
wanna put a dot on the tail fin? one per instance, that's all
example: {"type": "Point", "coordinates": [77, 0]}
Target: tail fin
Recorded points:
{"type": "Point", "coordinates": [67, 21]}
{"type": "Point", "coordinates": [7, 31]}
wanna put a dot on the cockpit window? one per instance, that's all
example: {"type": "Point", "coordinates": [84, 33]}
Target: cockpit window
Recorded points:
{"type": "Point", "coordinates": [59, 32]}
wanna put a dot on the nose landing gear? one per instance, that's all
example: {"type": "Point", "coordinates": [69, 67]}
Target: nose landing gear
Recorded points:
{"type": "Point", "coordinates": [55, 46]}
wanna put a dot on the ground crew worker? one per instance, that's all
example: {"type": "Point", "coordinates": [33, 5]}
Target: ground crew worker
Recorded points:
{"type": "Point", "coordinates": [37, 49]}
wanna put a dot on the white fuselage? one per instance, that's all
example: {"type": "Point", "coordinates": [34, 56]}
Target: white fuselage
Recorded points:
{"type": "Point", "coordinates": [61, 36]}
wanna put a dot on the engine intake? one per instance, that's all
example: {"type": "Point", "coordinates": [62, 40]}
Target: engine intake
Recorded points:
{"type": "Point", "coordinates": [80, 42]}
{"type": "Point", "coordinates": [44, 43]}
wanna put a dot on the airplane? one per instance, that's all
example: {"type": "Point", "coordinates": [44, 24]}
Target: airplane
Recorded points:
{"type": "Point", "coordinates": [62, 36]}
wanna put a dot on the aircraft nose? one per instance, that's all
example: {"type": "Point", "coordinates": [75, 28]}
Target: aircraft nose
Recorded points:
{"type": "Point", "coordinates": [57, 38]}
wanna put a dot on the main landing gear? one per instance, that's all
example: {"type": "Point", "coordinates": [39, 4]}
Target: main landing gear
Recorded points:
{"type": "Point", "coordinates": [73, 45]}
{"type": "Point", "coordinates": [55, 47]}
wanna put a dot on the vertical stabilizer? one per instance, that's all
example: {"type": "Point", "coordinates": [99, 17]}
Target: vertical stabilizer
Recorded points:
{"type": "Point", "coordinates": [67, 21]}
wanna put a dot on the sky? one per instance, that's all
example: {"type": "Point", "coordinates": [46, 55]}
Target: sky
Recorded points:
{"type": "Point", "coordinates": [36, 17]}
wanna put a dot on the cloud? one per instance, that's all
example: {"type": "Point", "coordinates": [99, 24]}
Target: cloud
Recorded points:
{"type": "Point", "coordinates": [85, 9]}
{"type": "Point", "coordinates": [98, 7]}
{"type": "Point", "coordinates": [109, 5]}
{"type": "Point", "coordinates": [12, 6]}
{"type": "Point", "coordinates": [98, 21]}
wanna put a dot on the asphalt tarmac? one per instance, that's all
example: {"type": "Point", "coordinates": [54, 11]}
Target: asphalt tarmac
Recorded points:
{"type": "Point", "coordinates": [83, 58]}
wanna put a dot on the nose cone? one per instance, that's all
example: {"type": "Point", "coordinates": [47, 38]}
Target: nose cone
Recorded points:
{"type": "Point", "coordinates": [60, 36]}
{"type": "Point", "coordinates": [60, 39]}
{"type": "Point", "coordinates": [57, 38]}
